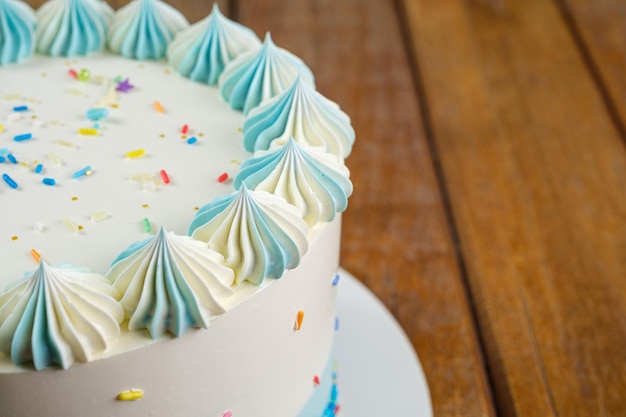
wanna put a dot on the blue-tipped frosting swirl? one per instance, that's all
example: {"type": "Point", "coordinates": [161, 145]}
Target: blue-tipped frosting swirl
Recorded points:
{"type": "Point", "coordinates": [256, 76]}
{"type": "Point", "coordinates": [259, 234]}
{"type": "Point", "coordinates": [72, 27]}
{"type": "Point", "coordinates": [17, 31]}
{"type": "Point", "coordinates": [58, 315]}
{"type": "Point", "coordinates": [314, 181]}
{"type": "Point", "coordinates": [202, 51]}
{"type": "Point", "coordinates": [170, 283]}
{"type": "Point", "coordinates": [304, 114]}
{"type": "Point", "coordinates": [143, 29]}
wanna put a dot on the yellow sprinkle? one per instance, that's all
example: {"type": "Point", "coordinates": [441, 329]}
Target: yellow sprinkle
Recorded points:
{"type": "Point", "coordinates": [235, 162]}
{"type": "Point", "coordinates": [145, 205]}
{"type": "Point", "coordinates": [43, 74]}
{"type": "Point", "coordinates": [167, 71]}
{"type": "Point", "coordinates": [99, 216]}
{"type": "Point", "coordinates": [161, 135]}
{"type": "Point", "coordinates": [13, 237]}
{"type": "Point", "coordinates": [115, 105]}
{"type": "Point", "coordinates": [33, 117]}
{"type": "Point", "coordinates": [76, 92]}
{"type": "Point", "coordinates": [137, 153]}
{"type": "Point", "coordinates": [196, 208]}
{"type": "Point", "coordinates": [11, 97]}
{"type": "Point", "coordinates": [65, 143]}
{"type": "Point", "coordinates": [200, 134]}
{"type": "Point", "coordinates": [132, 395]}
{"type": "Point", "coordinates": [88, 131]}
{"type": "Point", "coordinates": [54, 158]}
{"type": "Point", "coordinates": [158, 107]}
{"type": "Point", "coordinates": [1, 128]}
{"type": "Point", "coordinates": [36, 256]}
{"type": "Point", "coordinates": [239, 129]}
{"type": "Point", "coordinates": [71, 226]}
{"type": "Point", "coordinates": [74, 198]}
{"type": "Point", "coordinates": [183, 136]}
{"type": "Point", "coordinates": [24, 164]}
{"type": "Point", "coordinates": [299, 318]}
{"type": "Point", "coordinates": [142, 177]}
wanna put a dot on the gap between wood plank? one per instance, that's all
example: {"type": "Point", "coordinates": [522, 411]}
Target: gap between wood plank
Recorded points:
{"type": "Point", "coordinates": [429, 134]}
{"type": "Point", "coordinates": [596, 75]}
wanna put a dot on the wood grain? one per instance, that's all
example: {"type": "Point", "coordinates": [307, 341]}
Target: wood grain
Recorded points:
{"type": "Point", "coordinates": [535, 171]}
{"type": "Point", "coordinates": [395, 234]}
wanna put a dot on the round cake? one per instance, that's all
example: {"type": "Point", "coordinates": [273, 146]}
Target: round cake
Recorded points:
{"type": "Point", "coordinates": [172, 197]}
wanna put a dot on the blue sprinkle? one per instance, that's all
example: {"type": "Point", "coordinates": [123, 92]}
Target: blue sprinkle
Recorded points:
{"type": "Point", "coordinates": [49, 181]}
{"type": "Point", "coordinates": [192, 140]}
{"type": "Point", "coordinates": [97, 114]}
{"type": "Point", "coordinates": [336, 280]}
{"type": "Point", "coordinates": [11, 158]}
{"type": "Point", "coordinates": [20, 108]}
{"type": "Point", "coordinates": [2, 159]}
{"type": "Point", "coordinates": [38, 169]}
{"type": "Point", "coordinates": [4, 151]}
{"type": "Point", "coordinates": [81, 172]}
{"type": "Point", "coordinates": [22, 137]}
{"type": "Point", "coordinates": [336, 323]}
{"type": "Point", "coordinates": [9, 181]}
{"type": "Point", "coordinates": [96, 125]}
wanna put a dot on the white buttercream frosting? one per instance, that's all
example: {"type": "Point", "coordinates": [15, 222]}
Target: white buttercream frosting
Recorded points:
{"type": "Point", "coordinates": [304, 114]}
{"type": "Point", "coordinates": [143, 29]}
{"type": "Point", "coordinates": [171, 283]}
{"type": "Point", "coordinates": [314, 181]}
{"type": "Point", "coordinates": [202, 51]}
{"type": "Point", "coordinates": [256, 76]}
{"type": "Point", "coordinates": [259, 234]}
{"type": "Point", "coordinates": [58, 315]}
{"type": "Point", "coordinates": [72, 27]}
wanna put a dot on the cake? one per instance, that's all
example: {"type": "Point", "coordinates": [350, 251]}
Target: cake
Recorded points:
{"type": "Point", "coordinates": [172, 197]}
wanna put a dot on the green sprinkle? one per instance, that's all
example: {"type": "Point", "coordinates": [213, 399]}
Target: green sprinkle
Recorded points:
{"type": "Point", "coordinates": [147, 227]}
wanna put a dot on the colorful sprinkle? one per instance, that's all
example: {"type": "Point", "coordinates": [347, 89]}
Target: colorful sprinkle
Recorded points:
{"type": "Point", "coordinates": [74, 198]}
{"type": "Point", "coordinates": [88, 131]}
{"type": "Point", "coordinates": [49, 181]}
{"type": "Point", "coordinates": [192, 140]}
{"type": "Point", "coordinates": [1, 128]}
{"type": "Point", "coordinates": [66, 143]}
{"type": "Point", "coordinates": [82, 172]}
{"type": "Point", "coordinates": [336, 280]}
{"type": "Point", "coordinates": [36, 256]}
{"type": "Point", "coordinates": [124, 86]}
{"type": "Point", "coordinates": [185, 129]}
{"type": "Point", "coordinates": [38, 169]}
{"type": "Point", "coordinates": [71, 226]}
{"type": "Point", "coordinates": [23, 137]}
{"type": "Point", "coordinates": [222, 178]}
{"type": "Point", "coordinates": [131, 395]}
{"type": "Point", "coordinates": [158, 107]}
{"type": "Point", "coordinates": [336, 323]}
{"type": "Point", "coordinates": [164, 176]}
{"type": "Point", "coordinates": [72, 72]}
{"type": "Point", "coordinates": [14, 238]}
{"type": "Point", "coordinates": [97, 114]}
{"type": "Point", "coordinates": [11, 158]}
{"type": "Point", "coordinates": [84, 75]}
{"type": "Point", "coordinates": [147, 227]}
{"type": "Point", "coordinates": [316, 380]}
{"type": "Point", "coordinates": [2, 159]}
{"type": "Point", "coordinates": [227, 413]}
{"type": "Point", "coordinates": [10, 182]}
{"type": "Point", "coordinates": [137, 153]}
{"type": "Point", "coordinates": [299, 318]}
{"type": "Point", "coordinates": [99, 216]}
{"type": "Point", "coordinates": [55, 159]}
{"type": "Point", "coordinates": [20, 108]}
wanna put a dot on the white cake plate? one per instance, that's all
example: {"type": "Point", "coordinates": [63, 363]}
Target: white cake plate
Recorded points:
{"type": "Point", "coordinates": [379, 372]}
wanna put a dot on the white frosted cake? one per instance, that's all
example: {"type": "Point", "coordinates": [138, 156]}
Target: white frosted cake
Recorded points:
{"type": "Point", "coordinates": [171, 197]}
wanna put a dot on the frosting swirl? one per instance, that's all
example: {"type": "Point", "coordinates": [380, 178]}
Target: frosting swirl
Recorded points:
{"type": "Point", "coordinates": [170, 283]}
{"type": "Point", "coordinates": [255, 76]}
{"type": "Point", "coordinates": [304, 114]}
{"type": "Point", "coordinates": [144, 28]}
{"type": "Point", "coordinates": [259, 234]}
{"type": "Point", "coordinates": [58, 315]}
{"type": "Point", "coordinates": [72, 27]}
{"type": "Point", "coordinates": [202, 51]}
{"type": "Point", "coordinates": [314, 181]}
{"type": "Point", "coordinates": [17, 31]}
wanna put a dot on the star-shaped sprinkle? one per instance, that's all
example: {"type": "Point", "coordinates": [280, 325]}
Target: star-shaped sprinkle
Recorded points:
{"type": "Point", "coordinates": [124, 86]}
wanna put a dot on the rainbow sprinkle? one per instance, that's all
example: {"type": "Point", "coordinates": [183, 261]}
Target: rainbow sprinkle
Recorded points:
{"type": "Point", "coordinates": [299, 319]}
{"type": "Point", "coordinates": [131, 395]}
{"type": "Point", "coordinates": [147, 227]}
{"type": "Point", "coordinates": [222, 178]}
{"type": "Point", "coordinates": [164, 176]}
{"type": "Point", "coordinates": [137, 153]}
{"type": "Point", "coordinates": [88, 131]}
{"type": "Point", "coordinates": [10, 182]}
{"type": "Point", "coordinates": [227, 413]}
{"type": "Point", "coordinates": [36, 256]}
{"type": "Point", "coordinates": [82, 172]}
{"type": "Point", "coordinates": [158, 107]}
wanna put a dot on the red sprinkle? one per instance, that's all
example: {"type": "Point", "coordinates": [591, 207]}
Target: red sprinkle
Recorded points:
{"type": "Point", "coordinates": [185, 129]}
{"type": "Point", "coordinates": [222, 178]}
{"type": "Point", "coordinates": [316, 380]}
{"type": "Point", "coordinates": [73, 73]}
{"type": "Point", "coordinates": [337, 408]}
{"type": "Point", "coordinates": [164, 176]}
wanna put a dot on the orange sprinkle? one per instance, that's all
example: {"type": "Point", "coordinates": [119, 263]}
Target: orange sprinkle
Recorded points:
{"type": "Point", "coordinates": [299, 318]}
{"type": "Point", "coordinates": [36, 256]}
{"type": "Point", "coordinates": [158, 107]}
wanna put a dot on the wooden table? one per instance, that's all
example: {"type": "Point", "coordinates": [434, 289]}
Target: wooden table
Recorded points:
{"type": "Point", "coordinates": [489, 211]}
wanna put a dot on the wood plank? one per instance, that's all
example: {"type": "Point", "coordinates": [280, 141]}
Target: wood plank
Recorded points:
{"type": "Point", "coordinates": [535, 171]}
{"type": "Point", "coordinates": [600, 27]}
{"type": "Point", "coordinates": [395, 234]}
